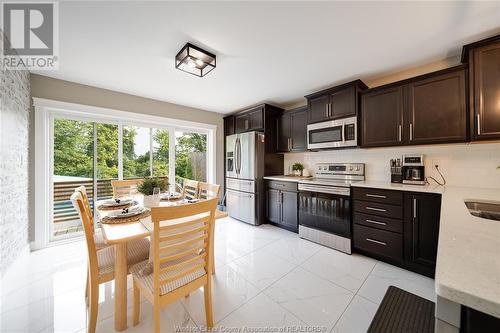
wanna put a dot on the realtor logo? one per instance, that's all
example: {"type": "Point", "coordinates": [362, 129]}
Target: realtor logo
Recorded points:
{"type": "Point", "coordinates": [30, 35]}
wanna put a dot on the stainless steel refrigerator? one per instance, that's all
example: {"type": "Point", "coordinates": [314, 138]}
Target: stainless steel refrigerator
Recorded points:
{"type": "Point", "coordinates": [244, 171]}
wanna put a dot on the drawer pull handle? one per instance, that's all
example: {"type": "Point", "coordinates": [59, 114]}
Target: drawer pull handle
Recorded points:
{"type": "Point", "coordinates": [376, 241]}
{"type": "Point", "coordinates": [376, 196]}
{"type": "Point", "coordinates": [376, 222]}
{"type": "Point", "coordinates": [376, 209]}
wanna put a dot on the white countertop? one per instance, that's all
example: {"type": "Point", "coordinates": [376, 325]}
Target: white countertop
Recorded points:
{"type": "Point", "coordinates": [295, 179]}
{"type": "Point", "coordinates": [468, 258]}
{"type": "Point", "coordinates": [434, 188]}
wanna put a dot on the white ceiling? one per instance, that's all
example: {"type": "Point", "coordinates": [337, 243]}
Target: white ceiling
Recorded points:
{"type": "Point", "coordinates": [274, 52]}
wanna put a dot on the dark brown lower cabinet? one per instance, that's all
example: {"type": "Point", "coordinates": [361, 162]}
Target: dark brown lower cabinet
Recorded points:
{"type": "Point", "coordinates": [273, 205]}
{"type": "Point", "coordinates": [402, 232]}
{"type": "Point", "coordinates": [282, 205]}
{"type": "Point", "coordinates": [421, 230]}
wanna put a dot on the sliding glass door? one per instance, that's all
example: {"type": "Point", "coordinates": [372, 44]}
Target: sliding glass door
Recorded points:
{"type": "Point", "coordinates": [73, 156]}
{"type": "Point", "coordinates": [79, 145]}
{"type": "Point", "coordinates": [93, 154]}
{"type": "Point", "coordinates": [190, 156]}
{"type": "Point", "coordinates": [106, 159]}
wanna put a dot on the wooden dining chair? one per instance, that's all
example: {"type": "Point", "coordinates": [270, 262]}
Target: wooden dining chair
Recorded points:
{"type": "Point", "coordinates": [98, 237]}
{"type": "Point", "coordinates": [123, 188]}
{"type": "Point", "coordinates": [182, 240]}
{"type": "Point", "coordinates": [101, 262]}
{"type": "Point", "coordinates": [190, 189]}
{"type": "Point", "coordinates": [208, 191]}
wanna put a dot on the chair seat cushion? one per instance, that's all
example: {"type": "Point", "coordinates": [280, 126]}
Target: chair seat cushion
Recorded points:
{"type": "Point", "coordinates": [137, 250]}
{"type": "Point", "coordinates": [147, 280]}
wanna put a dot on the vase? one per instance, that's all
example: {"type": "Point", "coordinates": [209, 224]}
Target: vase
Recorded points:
{"type": "Point", "coordinates": [151, 200]}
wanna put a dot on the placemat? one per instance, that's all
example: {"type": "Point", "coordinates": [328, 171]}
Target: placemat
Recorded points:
{"type": "Point", "coordinates": [110, 220]}
{"type": "Point", "coordinates": [125, 205]}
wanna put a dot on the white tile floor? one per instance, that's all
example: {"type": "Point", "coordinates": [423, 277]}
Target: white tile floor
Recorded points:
{"type": "Point", "coordinates": [266, 277]}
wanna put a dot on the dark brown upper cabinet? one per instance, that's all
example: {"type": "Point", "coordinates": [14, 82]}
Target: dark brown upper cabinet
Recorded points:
{"type": "Point", "coordinates": [252, 120]}
{"type": "Point", "coordinates": [337, 102]}
{"type": "Point", "coordinates": [483, 58]}
{"type": "Point", "coordinates": [229, 128]}
{"type": "Point", "coordinates": [382, 117]}
{"type": "Point", "coordinates": [291, 131]}
{"type": "Point", "coordinates": [428, 109]}
{"type": "Point", "coordinates": [437, 109]}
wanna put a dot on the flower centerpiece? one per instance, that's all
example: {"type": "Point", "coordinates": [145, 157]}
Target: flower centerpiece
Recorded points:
{"type": "Point", "coordinates": [151, 188]}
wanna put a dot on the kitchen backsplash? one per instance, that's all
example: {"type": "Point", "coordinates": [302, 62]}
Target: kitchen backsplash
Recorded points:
{"type": "Point", "coordinates": [470, 165]}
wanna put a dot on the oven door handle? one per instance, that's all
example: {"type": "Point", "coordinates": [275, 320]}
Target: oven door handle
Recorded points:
{"type": "Point", "coordinates": [324, 189]}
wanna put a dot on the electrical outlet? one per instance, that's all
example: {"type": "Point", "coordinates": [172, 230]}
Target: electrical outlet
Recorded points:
{"type": "Point", "coordinates": [436, 163]}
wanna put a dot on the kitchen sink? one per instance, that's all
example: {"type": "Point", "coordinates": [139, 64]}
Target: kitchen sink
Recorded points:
{"type": "Point", "coordinates": [485, 209]}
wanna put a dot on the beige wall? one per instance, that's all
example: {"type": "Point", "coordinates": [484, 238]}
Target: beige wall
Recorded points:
{"type": "Point", "coordinates": [380, 80]}
{"type": "Point", "coordinates": [66, 91]}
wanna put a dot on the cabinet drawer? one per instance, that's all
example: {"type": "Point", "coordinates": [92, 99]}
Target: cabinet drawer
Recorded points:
{"type": "Point", "coordinates": [378, 195]}
{"type": "Point", "coordinates": [378, 209]}
{"type": "Point", "coordinates": [379, 222]}
{"type": "Point", "coordinates": [379, 242]}
{"type": "Point", "coordinates": [284, 186]}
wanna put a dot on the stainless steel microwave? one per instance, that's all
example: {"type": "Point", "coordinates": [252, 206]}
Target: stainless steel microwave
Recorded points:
{"type": "Point", "coordinates": [337, 133]}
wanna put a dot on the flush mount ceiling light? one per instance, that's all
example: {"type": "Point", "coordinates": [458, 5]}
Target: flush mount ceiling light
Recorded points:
{"type": "Point", "coordinates": [194, 60]}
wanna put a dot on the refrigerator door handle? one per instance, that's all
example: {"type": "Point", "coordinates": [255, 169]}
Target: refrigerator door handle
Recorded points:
{"type": "Point", "coordinates": [236, 155]}
{"type": "Point", "coordinates": [238, 142]}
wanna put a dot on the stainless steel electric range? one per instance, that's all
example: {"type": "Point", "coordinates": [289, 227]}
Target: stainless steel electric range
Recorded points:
{"type": "Point", "coordinates": [325, 204]}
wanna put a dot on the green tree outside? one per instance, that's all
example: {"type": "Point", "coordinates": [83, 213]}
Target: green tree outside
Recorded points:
{"type": "Point", "coordinates": [73, 152]}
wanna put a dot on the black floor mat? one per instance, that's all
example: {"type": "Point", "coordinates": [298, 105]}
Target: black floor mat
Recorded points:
{"type": "Point", "coordinates": [403, 312]}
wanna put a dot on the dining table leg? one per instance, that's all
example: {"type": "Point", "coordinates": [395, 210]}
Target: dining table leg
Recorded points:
{"type": "Point", "coordinates": [121, 271]}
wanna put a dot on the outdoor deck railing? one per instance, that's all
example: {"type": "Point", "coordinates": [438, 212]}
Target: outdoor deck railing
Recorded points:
{"type": "Point", "coordinates": [63, 208]}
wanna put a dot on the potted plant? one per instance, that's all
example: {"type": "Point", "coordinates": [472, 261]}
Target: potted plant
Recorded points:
{"type": "Point", "coordinates": [151, 188]}
{"type": "Point", "coordinates": [297, 169]}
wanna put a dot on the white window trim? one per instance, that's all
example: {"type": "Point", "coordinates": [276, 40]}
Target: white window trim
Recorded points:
{"type": "Point", "coordinates": [46, 110]}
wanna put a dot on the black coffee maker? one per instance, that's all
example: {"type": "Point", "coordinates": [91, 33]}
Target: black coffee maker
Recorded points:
{"type": "Point", "coordinates": [413, 170]}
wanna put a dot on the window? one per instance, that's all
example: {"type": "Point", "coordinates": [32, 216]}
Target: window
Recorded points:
{"type": "Point", "coordinates": [161, 140]}
{"type": "Point", "coordinates": [190, 156]}
{"type": "Point", "coordinates": [136, 152]}
{"type": "Point", "coordinates": [73, 166]}
{"type": "Point", "coordinates": [77, 145]}
{"type": "Point", "coordinates": [106, 159]}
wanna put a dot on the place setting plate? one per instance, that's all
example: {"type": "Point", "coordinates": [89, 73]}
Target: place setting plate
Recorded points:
{"type": "Point", "coordinates": [130, 214]}
{"type": "Point", "coordinates": [112, 204]}
{"type": "Point", "coordinates": [171, 196]}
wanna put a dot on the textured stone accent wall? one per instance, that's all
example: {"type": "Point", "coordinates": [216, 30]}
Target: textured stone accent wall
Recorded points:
{"type": "Point", "coordinates": [15, 108]}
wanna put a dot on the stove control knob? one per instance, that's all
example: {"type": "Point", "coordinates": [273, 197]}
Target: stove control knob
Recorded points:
{"type": "Point", "coordinates": [350, 167]}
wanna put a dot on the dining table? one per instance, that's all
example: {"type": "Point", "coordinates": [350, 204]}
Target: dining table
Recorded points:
{"type": "Point", "coordinates": [118, 235]}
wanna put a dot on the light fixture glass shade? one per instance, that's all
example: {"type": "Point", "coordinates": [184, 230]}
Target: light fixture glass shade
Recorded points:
{"type": "Point", "coordinates": [194, 60]}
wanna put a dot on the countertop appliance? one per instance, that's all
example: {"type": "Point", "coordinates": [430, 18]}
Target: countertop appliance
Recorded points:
{"type": "Point", "coordinates": [413, 169]}
{"type": "Point", "coordinates": [325, 204]}
{"type": "Point", "coordinates": [337, 133]}
{"type": "Point", "coordinates": [244, 171]}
